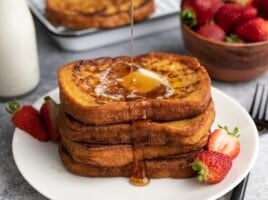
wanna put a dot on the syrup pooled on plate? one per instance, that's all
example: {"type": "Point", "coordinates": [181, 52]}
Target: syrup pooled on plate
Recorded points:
{"type": "Point", "coordinates": [138, 177]}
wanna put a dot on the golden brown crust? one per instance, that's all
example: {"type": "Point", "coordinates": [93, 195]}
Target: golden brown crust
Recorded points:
{"type": "Point", "coordinates": [176, 167]}
{"type": "Point", "coordinates": [119, 155]}
{"type": "Point", "coordinates": [189, 79]}
{"type": "Point", "coordinates": [82, 14]}
{"type": "Point", "coordinates": [184, 132]}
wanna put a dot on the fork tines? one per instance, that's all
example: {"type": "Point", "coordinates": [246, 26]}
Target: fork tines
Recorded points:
{"type": "Point", "coordinates": [259, 106]}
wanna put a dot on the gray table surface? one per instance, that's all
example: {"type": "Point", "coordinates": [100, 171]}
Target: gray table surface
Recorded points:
{"type": "Point", "coordinates": [13, 185]}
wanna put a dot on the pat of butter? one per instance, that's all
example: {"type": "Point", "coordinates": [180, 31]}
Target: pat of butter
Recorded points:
{"type": "Point", "coordinates": [141, 81]}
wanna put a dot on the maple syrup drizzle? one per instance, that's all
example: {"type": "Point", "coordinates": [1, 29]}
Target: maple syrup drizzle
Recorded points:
{"type": "Point", "coordinates": [132, 37]}
{"type": "Point", "coordinates": [138, 177]}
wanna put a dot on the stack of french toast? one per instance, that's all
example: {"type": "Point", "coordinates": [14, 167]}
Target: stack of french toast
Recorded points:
{"type": "Point", "coordinates": [82, 14]}
{"type": "Point", "coordinates": [139, 117]}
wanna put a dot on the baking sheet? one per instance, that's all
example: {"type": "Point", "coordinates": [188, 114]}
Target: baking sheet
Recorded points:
{"type": "Point", "coordinates": [165, 17]}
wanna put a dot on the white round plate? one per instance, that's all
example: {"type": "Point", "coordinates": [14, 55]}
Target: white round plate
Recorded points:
{"type": "Point", "coordinates": [40, 165]}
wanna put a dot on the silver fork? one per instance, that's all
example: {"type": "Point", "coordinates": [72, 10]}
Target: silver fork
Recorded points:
{"type": "Point", "coordinates": [258, 112]}
{"type": "Point", "coordinates": [261, 104]}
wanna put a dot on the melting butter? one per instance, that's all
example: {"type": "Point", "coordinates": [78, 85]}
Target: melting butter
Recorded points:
{"type": "Point", "coordinates": [137, 84]}
{"type": "Point", "coordinates": [141, 81]}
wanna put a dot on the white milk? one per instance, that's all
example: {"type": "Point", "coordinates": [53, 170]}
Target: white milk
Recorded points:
{"type": "Point", "coordinates": [19, 70]}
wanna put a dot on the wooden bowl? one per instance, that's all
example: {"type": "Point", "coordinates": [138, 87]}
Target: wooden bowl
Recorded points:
{"type": "Point", "coordinates": [227, 61]}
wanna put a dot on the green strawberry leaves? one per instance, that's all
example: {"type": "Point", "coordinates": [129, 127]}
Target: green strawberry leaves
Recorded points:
{"type": "Point", "coordinates": [234, 132]}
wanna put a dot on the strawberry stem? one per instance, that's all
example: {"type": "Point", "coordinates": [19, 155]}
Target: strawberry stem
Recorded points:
{"type": "Point", "coordinates": [13, 106]}
{"type": "Point", "coordinates": [48, 98]}
{"type": "Point", "coordinates": [197, 166]}
{"type": "Point", "coordinates": [232, 38]}
{"type": "Point", "coordinates": [188, 17]}
{"type": "Point", "coordinates": [234, 133]}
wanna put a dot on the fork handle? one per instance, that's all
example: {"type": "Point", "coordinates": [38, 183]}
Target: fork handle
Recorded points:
{"type": "Point", "coordinates": [261, 124]}
{"type": "Point", "coordinates": [240, 190]}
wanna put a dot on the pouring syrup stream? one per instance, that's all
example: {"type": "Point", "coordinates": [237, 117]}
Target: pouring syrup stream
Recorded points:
{"type": "Point", "coordinates": [138, 177]}
{"type": "Point", "coordinates": [132, 37]}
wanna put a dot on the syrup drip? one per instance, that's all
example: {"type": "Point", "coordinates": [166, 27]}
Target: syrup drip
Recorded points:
{"type": "Point", "coordinates": [137, 82]}
{"type": "Point", "coordinates": [138, 177]}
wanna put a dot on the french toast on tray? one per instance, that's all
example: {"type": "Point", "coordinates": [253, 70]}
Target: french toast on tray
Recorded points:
{"type": "Point", "coordinates": [152, 112]}
{"type": "Point", "coordinates": [82, 14]}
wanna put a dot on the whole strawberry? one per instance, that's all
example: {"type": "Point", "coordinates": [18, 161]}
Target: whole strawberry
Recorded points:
{"type": "Point", "coordinates": [198, 12]}
{"type": "Point", "coordinates": [255, 30]}
{"type": "Point", "coordinates": [28, 119]}
{"type": "Point", "coordinates": [242, 2]}
{"type": "Point", "coordinates": [212, 31]}
{"type": "Point", "coordinates": [262, 6]}
{"type": "Point", "coordinates": [49, 112]}
{"type": "Point", "coordinates": [230, 15]}
{"type": "Point", "coordinates": [211, 166]}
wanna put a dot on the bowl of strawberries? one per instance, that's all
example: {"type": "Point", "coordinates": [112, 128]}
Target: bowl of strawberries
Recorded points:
{"type": "Point", "coordinates": [229, 37]}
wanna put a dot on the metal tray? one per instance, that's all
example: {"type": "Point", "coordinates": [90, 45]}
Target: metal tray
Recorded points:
{"type": "Point", "coordinates": [165, 17]}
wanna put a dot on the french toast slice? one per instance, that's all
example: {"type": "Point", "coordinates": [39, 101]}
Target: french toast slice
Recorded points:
{"type": "Point", "coordinates": [122, 154]}
{"type": "Point", "coordinates": [174, 167]}
{"type": "Point", "coordinates": [82, 14]}
{"type": "Point", "coordinates": [79, 81]}
{"type": "Point", "coordinates": [184, 132]}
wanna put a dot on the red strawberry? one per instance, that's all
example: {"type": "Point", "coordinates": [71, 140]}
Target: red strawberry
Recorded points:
{"type": "Point", "coordinates": [212, 31]}
{"type": "Point", "coordinates": [262, 6]}
{"type": "Point", "coordinates": [260, 3]}
{"type": "Point", "coordinates": [242, 2]}
{"type": "Point", "coordinates": [230, 15]}
{"type": "Point", "coordinates": [49, 112]}
{"type": "Point", "coordinates": [28, 119]}
{"type": "Point", "coordinates": [211, 166]}
{"type": "Point", "coordinates": [223, 141]}
{"type": "Point", "coordinates": [198, 12]}
{"type": "Point", "coordinates": [248, 13]}
{"type": "Point", "coordinates": [255, 30]}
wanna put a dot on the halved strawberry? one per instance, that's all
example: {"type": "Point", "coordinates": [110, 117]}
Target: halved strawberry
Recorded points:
{"type": "Point", "coordinates": [211, 166]}
{"type": "Point", "coordinates": [224, 141]}
{"type": "Point", "coordinates": [49, 112]}
{"type": "Point", "coordinates": [27, 118]}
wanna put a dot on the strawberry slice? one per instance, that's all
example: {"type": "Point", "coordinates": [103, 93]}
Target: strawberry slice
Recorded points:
{"type": "Point", "coordinates": [49, 112]}
{"type": "Point", "coordinates": [224, 141]}
{"type": "Point", "coordinates": [211, 166]}
{"type": "Point", "coordinates": [28, 119]}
